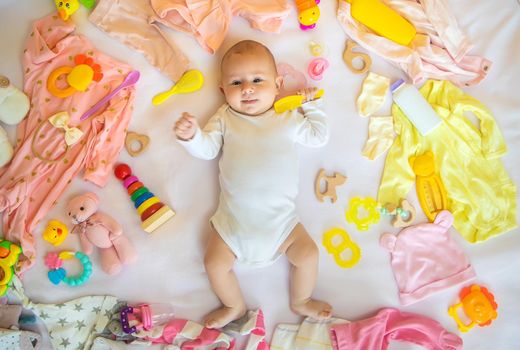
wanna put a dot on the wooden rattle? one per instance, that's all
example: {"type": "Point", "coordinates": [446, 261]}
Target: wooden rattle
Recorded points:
{"type": "Point", "coordinates": [142, 141]}
{"type": "Point", "coordinates": [349, 56]}
{"type": "Point", "coordinates": [330, 185]}
{"type": "Point", "coordinates": [403, 215]}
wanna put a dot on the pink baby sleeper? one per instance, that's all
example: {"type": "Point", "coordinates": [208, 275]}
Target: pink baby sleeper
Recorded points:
{"type": "Point", "coordinates": [425, 259]}
{"type": "Point", "coordinates": [43, 165]}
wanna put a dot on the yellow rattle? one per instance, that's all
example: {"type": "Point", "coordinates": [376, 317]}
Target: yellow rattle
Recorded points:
{"type": "Point", "coordinates": [337, 249]}
{"type": "Point", "coordinates": [370, 205]}
{"type": "Point", "coordinates": [479, 306]}
{"type": "Point", "coordinates": [78, 78]}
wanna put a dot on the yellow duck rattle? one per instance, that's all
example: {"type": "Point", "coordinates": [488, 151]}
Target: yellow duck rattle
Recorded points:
{"type": "Point", "coordinates": [67, 7]}
{"type": "Point", "coordinates": [55, 232]}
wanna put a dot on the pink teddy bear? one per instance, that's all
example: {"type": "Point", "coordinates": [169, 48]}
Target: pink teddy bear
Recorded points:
{"type": "Point", "coordinates": [97, 229]}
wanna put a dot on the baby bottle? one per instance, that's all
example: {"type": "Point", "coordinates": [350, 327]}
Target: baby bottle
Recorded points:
{"type": "Point", "coordinates": [415, 106]}
{"type": "Point", "coordinates": [145, 316]}
{"type": "Point", "coordinates": [382, 20]}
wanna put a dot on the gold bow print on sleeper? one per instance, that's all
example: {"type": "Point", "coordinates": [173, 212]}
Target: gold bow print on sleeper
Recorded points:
{"type": "Point", "coordinates": [61, 120]}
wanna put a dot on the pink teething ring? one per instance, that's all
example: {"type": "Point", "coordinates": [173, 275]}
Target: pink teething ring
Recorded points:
{"type": "Point", "coordinates": [130, 180]}
{"type": "Point", "coordinates": [317, 67]}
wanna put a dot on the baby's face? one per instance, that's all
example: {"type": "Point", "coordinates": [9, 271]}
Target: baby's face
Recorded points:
{"type": "Point", "coordinates": [250, 82]}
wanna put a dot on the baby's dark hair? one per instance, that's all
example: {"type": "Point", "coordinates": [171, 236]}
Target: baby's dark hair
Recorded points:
{"type": "Point", "coordinates": [247, 46]}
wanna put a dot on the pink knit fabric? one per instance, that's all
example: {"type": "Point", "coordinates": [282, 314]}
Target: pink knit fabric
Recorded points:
{"type": "Point", "coordinates": [209, 21]}
{"type": "Point", "coordinates": [43, 165]}
{"type": "Point", "coordinates": [425, 259]}
{"type": "Point", "coordinates": [189, 335]}
{"type": "Point", "coordinates": [376, 332]}
{"type": "Point", "coordinates": [438, 51]}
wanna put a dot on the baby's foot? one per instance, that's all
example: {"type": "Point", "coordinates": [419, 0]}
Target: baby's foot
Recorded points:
{"type": "Point", "coordinates": [316, 309]}
{"type": "Point", "coordinates": [221, 317]}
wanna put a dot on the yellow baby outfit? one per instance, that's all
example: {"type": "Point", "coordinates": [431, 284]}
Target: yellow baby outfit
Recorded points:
{"type": "Point", "coordinates": [480, 193]}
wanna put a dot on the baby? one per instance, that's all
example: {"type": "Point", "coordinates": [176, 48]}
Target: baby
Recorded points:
{"type": "Point", "coordinates": [256, 219]}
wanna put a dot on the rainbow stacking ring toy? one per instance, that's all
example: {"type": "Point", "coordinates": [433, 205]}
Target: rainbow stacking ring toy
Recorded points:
{"type": "Point", "coordinates": [152, 211]}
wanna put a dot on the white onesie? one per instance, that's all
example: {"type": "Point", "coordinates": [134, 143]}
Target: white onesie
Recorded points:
{"type": "Point", "coordinates": [258, 175]}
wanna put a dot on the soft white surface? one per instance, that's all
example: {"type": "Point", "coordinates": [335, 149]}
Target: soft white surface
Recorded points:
{"type": "Point", "coordinates": [170, 266]}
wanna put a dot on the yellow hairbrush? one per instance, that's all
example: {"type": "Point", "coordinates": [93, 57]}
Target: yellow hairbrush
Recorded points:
{"type": "Point", "coordinates": [292, 102]}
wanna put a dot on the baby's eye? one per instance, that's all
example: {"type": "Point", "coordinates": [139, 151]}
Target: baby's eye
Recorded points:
{"type": "Point", "coordinates": [257, 80]}
{"type": "Point", "coordinates": [235, 82]}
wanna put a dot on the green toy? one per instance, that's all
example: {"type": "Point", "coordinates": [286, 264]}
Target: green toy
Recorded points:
{"type": "Point", "coordinates": [9, 254]}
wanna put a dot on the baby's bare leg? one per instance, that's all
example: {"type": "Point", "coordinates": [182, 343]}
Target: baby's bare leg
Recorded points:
{"type": "Point", "coordinates": [219, 260]}
{"type": "Point", "coordinates": [302, 253]}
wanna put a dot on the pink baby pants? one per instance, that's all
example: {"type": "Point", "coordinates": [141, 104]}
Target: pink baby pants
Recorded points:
{"type": "Point", "coordinates": [376, 332]}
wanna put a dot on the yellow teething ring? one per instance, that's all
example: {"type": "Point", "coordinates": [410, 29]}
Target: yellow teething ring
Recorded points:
{"type": "Point", "coordinates": [370, 205]}
{"type": "Point", "coordinates": [337, 249]}
{"type": "Point", "coordinates": [452, 311]}
{"type": "Point", "coordinates": [51, 83]}
{"type": "Point", "coordinates": [147, 204]}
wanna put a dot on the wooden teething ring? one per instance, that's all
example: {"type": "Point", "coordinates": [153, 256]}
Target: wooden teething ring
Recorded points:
{"type": "Point", "coordinates": [142, 141]}
{"type": "Point", "coordinates": [349, 56]}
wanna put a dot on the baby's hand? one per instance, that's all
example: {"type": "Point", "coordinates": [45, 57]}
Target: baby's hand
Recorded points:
{"type": "Point", "coordinates": [185, 127]}
{"type": "Point", "coordinates": [308, 93]}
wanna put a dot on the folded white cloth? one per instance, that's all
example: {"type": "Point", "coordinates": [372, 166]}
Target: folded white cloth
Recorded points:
{"type": "Point", "coordinates": [309, 335]}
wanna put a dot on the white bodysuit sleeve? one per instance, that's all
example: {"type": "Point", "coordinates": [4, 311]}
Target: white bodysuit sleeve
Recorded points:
{"type": "Point", "coordinates": [206, 143]}
{"type": "Point", "coordinates": [312, 130]}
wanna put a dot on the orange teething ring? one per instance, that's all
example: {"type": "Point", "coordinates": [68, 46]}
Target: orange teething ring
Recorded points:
{"type": "Point", "coordinates": [51, 83]}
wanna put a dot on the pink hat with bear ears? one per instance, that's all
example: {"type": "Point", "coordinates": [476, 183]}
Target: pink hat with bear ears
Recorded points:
{"type": "Point", "coordinates": [425, 259]}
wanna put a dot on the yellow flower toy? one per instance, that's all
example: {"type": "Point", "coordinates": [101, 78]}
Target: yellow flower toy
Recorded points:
{"type": "Point", "coordinates": [371, 207]}
{"type": "Point", "coordinates": [78, 77]}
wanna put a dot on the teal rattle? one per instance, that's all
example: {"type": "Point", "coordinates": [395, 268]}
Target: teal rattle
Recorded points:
{"type": "Point", "coordinates": [58, 274]}
{"type": "Point", "coordinates": [403, 215]}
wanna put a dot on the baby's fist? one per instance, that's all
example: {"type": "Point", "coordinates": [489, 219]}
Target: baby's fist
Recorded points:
{"type": "Point", "coordinates": [185, 127]}
{"type": "Point", "coordinates": [308, 93]}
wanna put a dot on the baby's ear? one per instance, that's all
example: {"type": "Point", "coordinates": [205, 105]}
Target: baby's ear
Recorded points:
{"type": "Point", "coordinates": [279, 82]}
{"type": "Point", "coordinates": [221, 88]}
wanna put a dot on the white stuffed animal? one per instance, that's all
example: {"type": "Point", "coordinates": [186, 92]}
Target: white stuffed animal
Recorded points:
{"type": "Point", "coordinates": [13, 108]}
